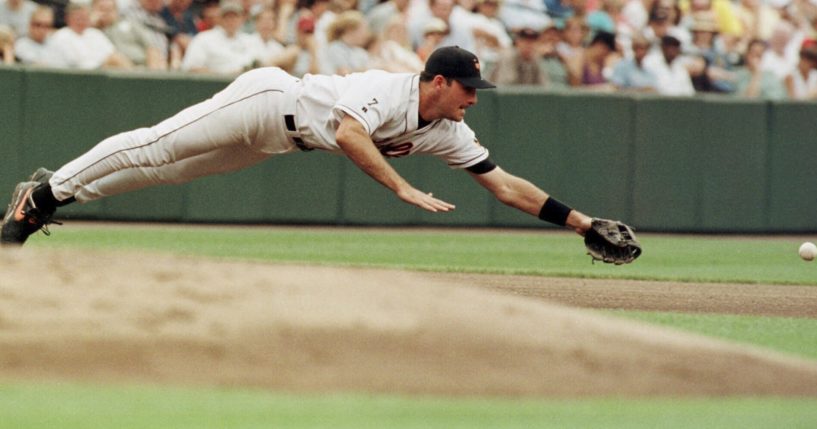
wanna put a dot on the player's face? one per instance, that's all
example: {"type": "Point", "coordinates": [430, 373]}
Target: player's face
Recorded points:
{"type": "Point", "coordinates": [456, 98]}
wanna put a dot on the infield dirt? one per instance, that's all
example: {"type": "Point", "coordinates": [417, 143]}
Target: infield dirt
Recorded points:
{"type": "Point", "coordinates": [112, 317]}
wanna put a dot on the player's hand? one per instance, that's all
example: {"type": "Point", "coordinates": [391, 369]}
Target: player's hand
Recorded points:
{"type": "Point", "coordinates": [425, 200]}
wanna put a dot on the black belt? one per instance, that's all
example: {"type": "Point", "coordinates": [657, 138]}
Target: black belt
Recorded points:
{"type": "Point", "coordinates": [289, 120]}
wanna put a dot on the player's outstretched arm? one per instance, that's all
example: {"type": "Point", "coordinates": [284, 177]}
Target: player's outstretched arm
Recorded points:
{"type": "Point", "coordinates": [358, 146]}
{"type": "Point", "coordinates": [527, 197]}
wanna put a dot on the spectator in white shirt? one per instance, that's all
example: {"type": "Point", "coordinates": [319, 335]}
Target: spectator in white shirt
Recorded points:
{"type": "Point", "coordinates": [670, 69]}
{"type": "Point", "coordinates": [274, 52]}
{"type": "Point", "coordinates": [80, 46]}
{"type": "Point", "coordinates": [32, 49]}
{"type": "Point", "coordinates": [224, 49]}
{"type": "Point", "coordinates": [16, 14]}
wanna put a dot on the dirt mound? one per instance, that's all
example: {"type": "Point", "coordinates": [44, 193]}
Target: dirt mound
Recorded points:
{"type": "Point", "coordinates": [106, 316]}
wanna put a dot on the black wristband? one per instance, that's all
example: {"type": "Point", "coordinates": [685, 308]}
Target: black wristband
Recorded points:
{"type": "Point", "coordinates": [554, 212]}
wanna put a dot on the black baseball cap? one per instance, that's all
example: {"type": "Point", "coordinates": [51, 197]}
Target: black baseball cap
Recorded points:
{"type": "Point", "coordinates": [458, 64]}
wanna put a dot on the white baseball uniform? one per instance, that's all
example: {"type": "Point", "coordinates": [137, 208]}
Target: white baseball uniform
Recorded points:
{"type": "Point", "coordinates": [265, 112]}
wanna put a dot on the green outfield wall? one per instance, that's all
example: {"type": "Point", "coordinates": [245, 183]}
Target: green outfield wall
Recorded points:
{"type": "Point", "coordinates": [704, 164]}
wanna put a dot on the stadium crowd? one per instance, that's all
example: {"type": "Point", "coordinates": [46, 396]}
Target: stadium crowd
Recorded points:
{"type": "Point", "coordinates": [748, 48]}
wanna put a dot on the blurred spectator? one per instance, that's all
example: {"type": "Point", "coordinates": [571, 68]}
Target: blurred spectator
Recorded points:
{"type": "Point", "coordinates": [181, 23]}
{"type": "Point", "coordinates": [597, 58]}
{"type": "Point", "coordinates": [550, 60]}
{"type": "Point", "coordinates": [209, 15]}
{"type": "Point", "coordinates": [331, 11]}
{"type": "Point", "coordinates": [146, 14]}
{"type": "Point", "coordinates": [381, 15]}
{"type": "Point", "coordinates": [519, 64]}
{"type": "Point", "coordinates": [751, 81]}
{"type": "Point", "coordinates": [715, 75]}
{"type": "Point", "coordinates": [274, 53]}
{"type": "Point", "coordinates": [6, 45]}
{"type": "Point", "coordinates": [391, 51]}
{"type": "Point", "coordinates": [801, 83]}
{"type": "Point", "coordinates": [308, 59]}
{"type": "Point", "coordinates": [434, 32]}
{"type": "Point", "coordinates": [777, 58]}
{"type": "Point", "coordinates": [251, 10]}
{"type": "Point", "coordinates": [80, 46]}
{"type": "Point", "coordinates": [630, 74]}
{"type": "Point", "coordinates": [347, 36]}
{"type": "Point", "coordinates": [490, 35]}
{"type": "Point", "coordinates": [32, 49]}
{"type": "Point", "coordinates": [16, 14]}
{"type": "Point", "coordinates": [670, 69]}
{"type": "Point", "coordinates": [459, 33]}
{"type": "Point", "coordinates": [571, 48]}
{"type": "Point", "coordinates": [224, 49]}
{"type": "Point", "coordinates": [661, 24]}
{"type": "Point", "coordinates": [129, 37]}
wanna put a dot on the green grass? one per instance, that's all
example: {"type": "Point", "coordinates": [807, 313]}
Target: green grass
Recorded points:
{"type": "Point", "coordinates": [786, 334]}
{"type": "Point", "coordinates": [666, 257]}
{"type": "Point", "coordinates": [69, 406]}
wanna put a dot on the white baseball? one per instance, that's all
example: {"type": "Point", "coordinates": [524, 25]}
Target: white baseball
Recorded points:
{"type": "Point", "coordinates": [808, 251]}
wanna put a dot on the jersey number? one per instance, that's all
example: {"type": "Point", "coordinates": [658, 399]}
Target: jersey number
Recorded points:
{"type": "Point", "coordinates": [396, 150]}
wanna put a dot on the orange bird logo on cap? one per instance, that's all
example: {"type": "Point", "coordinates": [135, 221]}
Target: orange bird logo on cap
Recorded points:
{"type": "Point", "coordinates": [476, 64]}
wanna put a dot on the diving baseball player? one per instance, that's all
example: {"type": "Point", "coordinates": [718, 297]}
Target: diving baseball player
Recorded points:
{"type": "Point", "coordinates": [367, 116]}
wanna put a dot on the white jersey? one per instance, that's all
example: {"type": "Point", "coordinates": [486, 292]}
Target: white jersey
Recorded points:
{"type": "Point", "coordinates": [387, 104]}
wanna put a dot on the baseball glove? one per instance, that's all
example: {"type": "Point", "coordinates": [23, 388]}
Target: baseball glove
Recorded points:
{"type": "Point", "coordinates": [612, 242]}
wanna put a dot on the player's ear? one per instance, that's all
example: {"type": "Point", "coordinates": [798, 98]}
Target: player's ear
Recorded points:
{"type": "Point", "coordinates": [440, 81]}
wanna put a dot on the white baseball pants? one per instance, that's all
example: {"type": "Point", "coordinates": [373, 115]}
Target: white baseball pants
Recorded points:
{"type": "Point", "coordinates": [238, 127]}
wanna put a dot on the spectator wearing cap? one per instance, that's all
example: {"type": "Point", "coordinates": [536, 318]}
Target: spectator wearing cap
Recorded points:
{"type": "Point", "coordinates": [16, 14]}
{"type": "Point", "coordinates": [434, 32]}
{"type": "Point", "coordinates": [519, 65]}
{"type": "Point", "coordinates": [224, 49]}
{"type": "Point", "coordinates": [751, 81]}
{"type": "Point", "coordinates": [670, 69]}
{"type": "Point", "coordinates": [33, 48]}
{"type": "Point", "coordinates": [715, 66]}
{"type": "Point", "coordinates": [801, 83]}
{"type": "Point", "coordinates": [629, 74]}
{"type": "Point", "coordinates": [347, 35]}
{"type": "Point", "coordinates": [660, 24]}
{"type": "Point", "coordinates": [80, 46]}
{"type": "Point", "coordinates": [130, 37]}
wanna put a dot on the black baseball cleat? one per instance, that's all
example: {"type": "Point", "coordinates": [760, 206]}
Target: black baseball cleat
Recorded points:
{"type": "Point", "coordinates": [23, 218]}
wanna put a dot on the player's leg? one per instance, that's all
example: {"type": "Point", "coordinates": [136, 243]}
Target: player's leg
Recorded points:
{"type": "Point", "coordinates": [215, 162]}
{"type": "Point", "coordinates": [231, 120]}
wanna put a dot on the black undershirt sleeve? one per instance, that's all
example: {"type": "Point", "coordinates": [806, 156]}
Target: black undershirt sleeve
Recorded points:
{"type": "Point", "coordinates": [482, 167]}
